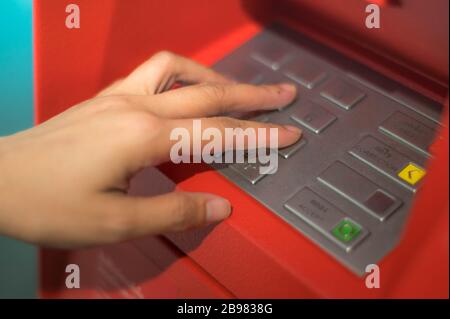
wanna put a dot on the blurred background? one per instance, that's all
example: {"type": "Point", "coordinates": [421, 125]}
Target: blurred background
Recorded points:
{"type": "Point", "coordinates": [18, 262]}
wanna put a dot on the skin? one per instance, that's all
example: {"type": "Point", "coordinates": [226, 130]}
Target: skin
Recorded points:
{"type": "Point", "coordinates": [64, 183]}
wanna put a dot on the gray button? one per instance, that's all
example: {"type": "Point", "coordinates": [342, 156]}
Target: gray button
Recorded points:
{"type": "Point", "coordinates": [342, 93]}
{"type": "Point", "coordinates": [273, 56]}
{"type": "Point", "coordinates": [307, 74]}
{"type": "Point", "coordinates": [409, 131]}
{"type": "Point", "coordinates": [252, 169]}
{"type": "Point", "coordinates": [322, 215]}
{"type": "Point", "coordinates": [287, 152]}
{"type": "Point", "coordinates": [381, 204]}
{"type": "Point", "coordinates": [360, 190]}
{"type": "Point", "coordinates": [245, 72]}
{"type": "Point", "coordinates": [384, 159]}
{"type": "Point", "coordinates": [313, 116]}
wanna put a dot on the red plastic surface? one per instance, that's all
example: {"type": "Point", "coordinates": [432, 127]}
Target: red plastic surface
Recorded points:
{"type": "Point", "coordinates": [254, 253]}
{"type": "Point", "coordinates": [414, 33]}
{"type": "Point", "coordinates": [126, 271]}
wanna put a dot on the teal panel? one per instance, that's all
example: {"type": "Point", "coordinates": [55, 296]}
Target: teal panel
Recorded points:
{"type": "Point", "coordinates": [17, 260]}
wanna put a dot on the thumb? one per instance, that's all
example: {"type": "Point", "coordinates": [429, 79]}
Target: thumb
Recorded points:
{"type": "Point", "coordinates": [171, 212]}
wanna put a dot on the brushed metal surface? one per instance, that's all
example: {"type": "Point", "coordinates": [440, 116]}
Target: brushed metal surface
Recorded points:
{"type": "Point", "coordinates": [302, 168]}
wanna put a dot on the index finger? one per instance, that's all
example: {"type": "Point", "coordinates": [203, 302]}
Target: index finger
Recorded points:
{"type": "Point", "coordinates": [197, 133]}
{"type": "Point", "coordinates": [216, 99]}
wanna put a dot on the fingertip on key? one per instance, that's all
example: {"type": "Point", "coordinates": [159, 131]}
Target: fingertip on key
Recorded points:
{"type": "Point", "coordinates": [293, 129]}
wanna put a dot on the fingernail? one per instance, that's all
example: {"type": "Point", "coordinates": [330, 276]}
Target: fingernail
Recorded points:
{"type": "Point", "coordinates": [293, 129]}
{"type": "Point", "coordinates": [217, 209]}
{"type": "Point", "coordinates": [288, 88]}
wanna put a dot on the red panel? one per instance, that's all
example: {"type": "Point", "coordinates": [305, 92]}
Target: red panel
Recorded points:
{"type": "Point", "coordinates": [124, 271]}
{"type": "Point", "coordinates": [414, 33]}
{"type": "Point", "coordinates": [254, 253]}
{"type": "Point", "coordinates": [115, 36]}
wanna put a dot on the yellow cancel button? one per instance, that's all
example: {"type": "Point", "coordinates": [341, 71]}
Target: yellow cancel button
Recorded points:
{"type": "Point", "coordinates": [412, 174]}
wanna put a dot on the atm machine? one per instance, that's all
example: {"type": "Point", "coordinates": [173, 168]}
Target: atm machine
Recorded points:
{"type": "Point", "coordinates": [367, 184]}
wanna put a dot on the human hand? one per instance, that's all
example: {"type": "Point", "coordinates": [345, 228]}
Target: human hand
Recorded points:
{"type": "Point", "coordinates": [64, 183]}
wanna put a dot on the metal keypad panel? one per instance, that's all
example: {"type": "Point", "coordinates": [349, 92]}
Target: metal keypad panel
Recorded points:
{"type": "Point", "coordinates": [348, 184]}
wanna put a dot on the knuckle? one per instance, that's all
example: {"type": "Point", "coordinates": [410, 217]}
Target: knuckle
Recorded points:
{"type": "Point", "coordinates": [111, 89]}
{"type": "Point", "coordinates": [164, 57]}
{"type": "Point", "coordinates": [140, 122]}
{"type": "Point", "coordinates": [138, 128]}
{"type": "Point", "coordinates": [216, 93]}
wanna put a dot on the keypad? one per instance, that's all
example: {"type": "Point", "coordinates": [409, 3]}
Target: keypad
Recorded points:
{"type": "Point", "coordinates": [349, 182]}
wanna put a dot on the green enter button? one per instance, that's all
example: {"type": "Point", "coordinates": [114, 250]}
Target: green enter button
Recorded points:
{"type": "Point", "coordinates": [346, 230]}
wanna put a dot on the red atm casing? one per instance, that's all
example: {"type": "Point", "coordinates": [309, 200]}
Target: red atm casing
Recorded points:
{"type": "Point", "coordinates": [254, 253]}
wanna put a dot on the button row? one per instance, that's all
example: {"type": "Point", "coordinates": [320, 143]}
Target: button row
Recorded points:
{"type": "Point", "coordinates": [331, 221]}
{"type": "Point", "coordinates": [359, 190]}
{"type": "Point", "coordinates": [389, 162]}
{"type": "Point", "coordinates": [309, 75]}
{"type": "Point", "coordinates": [369, 150]}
